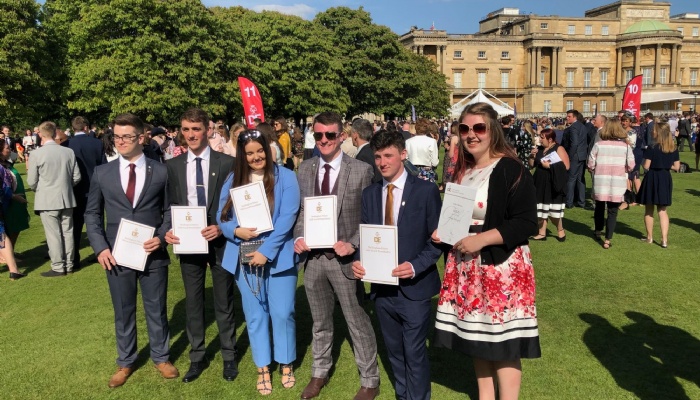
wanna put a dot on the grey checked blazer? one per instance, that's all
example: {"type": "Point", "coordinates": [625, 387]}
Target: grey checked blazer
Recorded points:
{"type": "Point", "coordinates": [353, 177]}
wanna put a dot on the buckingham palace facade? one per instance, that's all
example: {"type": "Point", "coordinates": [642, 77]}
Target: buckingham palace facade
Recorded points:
{"type": "Point", "coordinates": [549, 64]}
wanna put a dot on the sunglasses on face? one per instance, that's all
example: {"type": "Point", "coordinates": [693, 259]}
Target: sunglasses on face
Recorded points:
{"type": "Point", "coordinates": [249, 134]}
{"type": "Point", "coordinates": [479, 129]}
{"type": "Point", "coordinates": [329, 135]}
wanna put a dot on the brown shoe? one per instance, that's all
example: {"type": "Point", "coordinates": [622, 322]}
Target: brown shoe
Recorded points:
{"type": "Point", "coordinates": [120, 377]}
{"type": "Point", "coordinates": [167, 370]}
{"type": "Point", "coordinates": [314, 388]}
{"type": "Point", "coordinates": [366, 393]}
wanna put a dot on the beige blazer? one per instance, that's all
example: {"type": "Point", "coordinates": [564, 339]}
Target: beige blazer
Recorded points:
{"type": "Point", "coordinates": [52, 173]}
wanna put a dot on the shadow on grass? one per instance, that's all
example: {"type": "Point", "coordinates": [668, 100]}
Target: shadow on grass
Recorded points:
{"type": "Point", "coordinates": [693, 192]}
{"type": "Point", "coordinates": [644, 357]}
{"type": "Point", "coordinates": [695, 227]}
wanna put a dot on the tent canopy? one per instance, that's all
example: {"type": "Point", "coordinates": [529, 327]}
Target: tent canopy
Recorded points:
{"type": "Point", "coordinates": [653, 97]}
{"type": "Point", "coordinates": [479, 96]}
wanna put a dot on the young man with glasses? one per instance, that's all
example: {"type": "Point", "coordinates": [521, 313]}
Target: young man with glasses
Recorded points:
{"type": "Point", "coordinates": [329, 271]}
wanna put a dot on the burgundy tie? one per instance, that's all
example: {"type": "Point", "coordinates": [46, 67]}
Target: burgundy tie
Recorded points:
{"type": "Point", "coordinates": [131, 186]}
{"type": "Point", "coordinates": [325, 185]}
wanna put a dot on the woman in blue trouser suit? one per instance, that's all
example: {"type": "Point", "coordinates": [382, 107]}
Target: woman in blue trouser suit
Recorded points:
{"type": "Point", "coordinates": [268, 283]}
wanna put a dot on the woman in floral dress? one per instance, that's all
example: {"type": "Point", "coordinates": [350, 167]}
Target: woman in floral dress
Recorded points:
{"type": "Point", "coordinates": [487, 308]}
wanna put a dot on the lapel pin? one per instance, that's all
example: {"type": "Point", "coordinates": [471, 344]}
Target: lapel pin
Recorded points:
{"type": "Point", "coordinates": [403, 203]}
{"type": "Point", "coordinates": [213, 174]}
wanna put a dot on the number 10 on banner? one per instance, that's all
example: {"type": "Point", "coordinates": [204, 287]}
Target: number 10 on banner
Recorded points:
{"type": "Point", "coordinates": [252, 102]}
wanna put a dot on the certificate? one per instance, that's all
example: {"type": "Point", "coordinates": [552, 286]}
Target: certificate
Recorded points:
{"type": "Point", "coordinates": [188, 223]}
{"type": "Point", "coordinates": [456, 213]}
{"type": "Point", "coordinates": [128, 247]}
{"type": "Point", "coordinates": [552, 157]}
{"type": "Point", "coordinates": [379, 253]}
{"type": "Point", "coordinates": [251, 207]}
{"type": "Point", "coordinates": [320, 221]}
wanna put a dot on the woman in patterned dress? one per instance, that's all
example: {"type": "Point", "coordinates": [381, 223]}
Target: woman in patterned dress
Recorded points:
{"type": "Point", "coordinates": [486, 307]}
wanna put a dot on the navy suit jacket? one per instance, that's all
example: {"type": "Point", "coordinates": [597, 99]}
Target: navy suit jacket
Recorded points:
{"type": "Point", "coordinates": [367, 155]}
{"type": "Point", "coordinates": [418, 218]}
{"type": "Point", "coordinates": [89, 154]}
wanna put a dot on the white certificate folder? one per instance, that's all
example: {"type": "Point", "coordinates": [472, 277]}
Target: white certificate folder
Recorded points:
{"type": "Point", "coordinates": [320, 221]}
{"type": "Point", "coordinates": [251, 207]}
{"type": "Point", "coordinates": [379, 253]}
{"type": "Point", "coordinates": [456, 213]}
{"type": "Point", "coordinates": [128, 248]}
{"type": "Point", "coordinates": [188, 223]}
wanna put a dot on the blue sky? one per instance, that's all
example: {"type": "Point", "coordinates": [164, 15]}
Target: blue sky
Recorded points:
{"type": "Point", "coordinates": [455, 16]}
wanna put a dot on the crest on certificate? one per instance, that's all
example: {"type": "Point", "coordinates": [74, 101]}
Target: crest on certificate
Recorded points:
{"type": "Point", "coordinates": [188, 217]}
{"type": "Point", "coordinates": [319, 208]}
{"type": "Point", "coordinates": [135, 232]}
{"type": "Point", "coordinates": [377, 238]}
{"type": "Point", "coordinates": [247, 196]}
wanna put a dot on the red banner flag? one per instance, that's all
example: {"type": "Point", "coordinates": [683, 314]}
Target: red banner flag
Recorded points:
{"type": "Point", "coordinates": [632, 99]}
{"type": "Point", "coordinates": [252, 102]}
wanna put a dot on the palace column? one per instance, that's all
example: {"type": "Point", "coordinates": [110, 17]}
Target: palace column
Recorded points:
{"type": "Point", "coordinates": [618, 73]}
{"type": "Point", "coordinates": [531, 67]}
{"type": "Point", "coordinates": [637, 59]}
{"type": "Point", "coordinates": [657, 65]}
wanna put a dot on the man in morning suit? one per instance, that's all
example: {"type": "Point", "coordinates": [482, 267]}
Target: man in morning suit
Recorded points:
{"type": "Point", "coordinates": [329, 271]}
{"type": "Point", "coordinates": [135, 188]}
{"type": "Point", "coordinates": [361, 133]}
{"type": "Point", "coordinates": [575, 142]}
{"type": "Point", "coordinates": [413, 205]}
{"type": "Point", "coordinates": [52, 174]}
{"type": "Point", "coordinates": [188, 187]}
{"type": "Point", "coordinates": [89, 154]}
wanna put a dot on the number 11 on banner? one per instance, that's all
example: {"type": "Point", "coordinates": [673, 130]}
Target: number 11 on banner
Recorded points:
{"type": "Point", "coordinates": [252, 102]}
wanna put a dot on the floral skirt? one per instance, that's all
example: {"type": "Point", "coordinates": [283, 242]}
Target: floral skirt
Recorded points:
{"type": "Point", "coordinates": [427, 174]}
{"type": "Point", "coordinates": [488, 311]}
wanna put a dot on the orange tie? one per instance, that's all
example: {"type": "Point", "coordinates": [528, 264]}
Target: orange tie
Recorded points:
{"type": "Point", "coordinates": [389, 208]}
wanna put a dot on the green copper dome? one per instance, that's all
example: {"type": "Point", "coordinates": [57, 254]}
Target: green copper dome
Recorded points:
{"type": "Point", "coordinates": [648, 26]}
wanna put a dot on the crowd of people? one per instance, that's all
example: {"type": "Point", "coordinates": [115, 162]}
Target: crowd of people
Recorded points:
{"type": "Point", "coordinates": [525, 174]}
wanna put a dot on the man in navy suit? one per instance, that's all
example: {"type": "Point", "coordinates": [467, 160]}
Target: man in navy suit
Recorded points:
{"type": "Point", "coordinates": [361, 133]}
{"type": "Point", "coordinates": [413, 205]}
{"type": "Point", "coordinates": [89, 154]}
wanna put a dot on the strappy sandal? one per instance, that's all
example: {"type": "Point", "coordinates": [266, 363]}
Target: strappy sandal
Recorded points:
{"type": "Point", "coordinates": [288, 379]}
{"type": "Point", "coordinates": [607, 244]}
{"type": "Point", "coordinates": [264, 386]}
{"type": "Point", "coordinates": [561, 238]}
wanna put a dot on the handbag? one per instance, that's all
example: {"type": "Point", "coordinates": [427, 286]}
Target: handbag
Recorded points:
{"type": "Point", "coordinates": [247, 247]}
{"type": "Point", "coordinates": [412, 169]}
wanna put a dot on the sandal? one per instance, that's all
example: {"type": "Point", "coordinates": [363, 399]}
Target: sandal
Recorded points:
{"type": "Point", "coordinates": [607, 244]}
{"type": "Point", "coordinates": [538, 237]}
{"type": "Point", "coordinates": [288, 379]}
{"type": "Point", "coordinates": [646, 240]}
{"type": "Point", "coordinates": [561, 238]}
{"type": "Point", "coordinates": [264, 386]}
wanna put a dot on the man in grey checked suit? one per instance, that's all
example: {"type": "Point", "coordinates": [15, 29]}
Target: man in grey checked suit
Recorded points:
{"type": "Point", "coordinates": [52, 174]}
{"type": "Point", "coordinates": [135, 188]}
{"type": "Point", "coordinates": [329, 271]}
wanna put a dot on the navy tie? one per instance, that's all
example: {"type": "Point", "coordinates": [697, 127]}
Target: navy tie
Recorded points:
{"type": "Point", "coordinates": [201, 196]}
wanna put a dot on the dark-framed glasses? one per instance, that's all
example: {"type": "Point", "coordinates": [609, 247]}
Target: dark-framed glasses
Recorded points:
{"type": "Point", "coordinates": [478, 129]}
{"type": "Point", "coordinates": [249, 134]}
{"type": "Point", "coordinates": [329, 135]}
{"type": "Point", "coordinates": [125, 138]}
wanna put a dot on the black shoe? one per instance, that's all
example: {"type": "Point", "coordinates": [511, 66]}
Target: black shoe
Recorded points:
{"type": "Point", "coordinates": [230, 370]}
{"type": "Point", "coordinates": [196, 369]}
{"type": "Point", "coordinates": [16, 275]}
{"type": "Point", "coordinates": [568, 206]}
{"type": "Point", "coordinates": [52, 274]}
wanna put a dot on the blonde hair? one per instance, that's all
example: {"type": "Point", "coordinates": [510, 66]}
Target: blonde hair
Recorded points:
{"type": "Point", "coordinates": [613, 130]}
{"type": "Point", "coordinates": [663, 138]}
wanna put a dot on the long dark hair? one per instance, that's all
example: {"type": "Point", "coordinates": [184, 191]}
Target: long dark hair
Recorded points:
{"type": "Point", "coordinates": [241, 170]}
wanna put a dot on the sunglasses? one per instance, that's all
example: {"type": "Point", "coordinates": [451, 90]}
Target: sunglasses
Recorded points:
{"type": "Point", "coordinates": [329, 135]}
{"type": "Point", "coordinates": [479, 129]}
{"type": "Point", "coordinates": [249, 134]}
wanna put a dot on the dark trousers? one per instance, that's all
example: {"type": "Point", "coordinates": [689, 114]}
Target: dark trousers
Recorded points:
{"type": "Point", "coordinates": [78, 222]}
{"type": "Point", "coordinates": [404, 323]}
{"type": "Point", "coordinates": [123, 286]}
{"type": "Point", "coordinates": [681, 144]}
{"type": "Point", "coordinates": [194, 271]}
{"type": "Point", "coordinates": [599, 217]}
{"type": "Point", "coordinates": [576, 185]}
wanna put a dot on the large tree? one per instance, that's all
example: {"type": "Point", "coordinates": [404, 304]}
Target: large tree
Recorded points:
{"type": "Point", "coordinates": [23, 85]}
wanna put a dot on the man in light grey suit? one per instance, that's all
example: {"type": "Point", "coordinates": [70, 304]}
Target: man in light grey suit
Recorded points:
{"type": "Point", "coordinates": [133, 187]}
{"type": "Point", "coordinates": [329, 271]}
{"type": "Point", "coordinates": [52, 174]}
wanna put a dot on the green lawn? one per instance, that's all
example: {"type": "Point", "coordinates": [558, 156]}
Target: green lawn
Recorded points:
{"type": "Point", "coordinates": [614, 324]}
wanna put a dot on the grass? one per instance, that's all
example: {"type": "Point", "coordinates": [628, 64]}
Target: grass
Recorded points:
{"type": "Point", "coordinates": [614, 324]}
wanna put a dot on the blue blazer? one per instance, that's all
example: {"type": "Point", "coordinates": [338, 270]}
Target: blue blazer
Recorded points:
{"type": "Point", "coordinates": [89, 154]}
{"type": "Point", "coordinates": [279, 243]}
{"type": "Point", "coordinates": [418, 218]}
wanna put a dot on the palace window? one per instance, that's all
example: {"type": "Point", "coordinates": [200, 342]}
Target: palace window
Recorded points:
{"type": "Point", "coordinates": [544, 25]}
{"type": "Point", "coordinates": [522, 27]}
{"type": "Point", "coordinates": [604, 30]}
{"type": "Point", "coordinates": [457, 80]}
{"type": "Point", "coordinates": [693, 77]}
{"type": "Point", "coordinates": [696, 31]}
{"type": "Point", "coordinates": [680, 30]}
{"type": "Point", "coordinates": [570, 78]}
{"type": "Point", "coordinates": [481, 79]}
{"type": "Point", "coordinates": [586, 106]}
{"type": "Point", "coordinates": [481, 54]}
{"type": "Point", "coordinates": [547, 106]}
{"type": "Point", "coordinates": [646, 76]}
{"type": "Point", "coordinates": [572, 29]}
{"type": "Point", "coordinates": [504, 80]}
{"type": "Point", "coordinates": [587, 78]}
{"type": "Point", "coordinates": [505, 55]}
{"type": "Point", "coordinates": [458, 54]}
{"type": "Point", "coordinates": [603, 105]}
{"type": "Point", "coordinates": [628, 76]}
{"type": "Point", "coordinates": [604, 78]}
{"type": "Point", "coordinates": [542, 74]}
{"type": "Point", "coordinates": [569, 105]}
{"type": "Point", "coordinates": [663, 75]}
{"type": "Point", "coordinates": [589, 30]}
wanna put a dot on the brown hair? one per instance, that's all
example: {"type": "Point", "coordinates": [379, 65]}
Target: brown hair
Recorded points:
{"type": "Point", "coordinates": [283, 124]}
{"type": "Point", "coordinates": [195, 114]}
{"type": "Point", "coordinates": [499, 145]}
{"type": "Point", "coordinates": [128, 120]}
{"type": "Point", "coordinates": [612, 130]}
{"type": "Point", "coordinates": [422, 126]}
{"type": "Point", "coordinates": [662, 136]}
{"type": "Point", "coordinates": [330, 118]}
{"type": "Point", "coordinates": [549, 134]}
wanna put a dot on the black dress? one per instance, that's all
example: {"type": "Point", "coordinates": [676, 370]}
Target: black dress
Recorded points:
{"type": "Point", "coordinates": [550, 202]}
{"type": "Point", "coordinates": [657, 184]}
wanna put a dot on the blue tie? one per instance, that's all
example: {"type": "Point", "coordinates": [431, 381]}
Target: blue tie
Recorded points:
{"type": "Point", "coordinates": [201, 196]}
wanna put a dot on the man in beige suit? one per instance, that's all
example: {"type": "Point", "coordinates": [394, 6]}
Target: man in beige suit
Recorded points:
{"type": "Point", "coordinates": [52, 175]}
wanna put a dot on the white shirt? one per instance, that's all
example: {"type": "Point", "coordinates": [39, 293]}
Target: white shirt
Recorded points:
{"type": "Point", "coordinates": [79, 133]}
{"type": "Point", "coordinates": [192, 175]}
{"type": "Point", "coordinates": [140, 175]}
{"type": "Point", "coordinates": [422, 150]}
{"type": "Point", "coordinates": [360, 147]}
{"type": "Point", "coordinates": [309, 141]}
{"type": "Point", "coordinates": [334, 171]}
{"type": "Point", "coordinates": [399, 183]}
